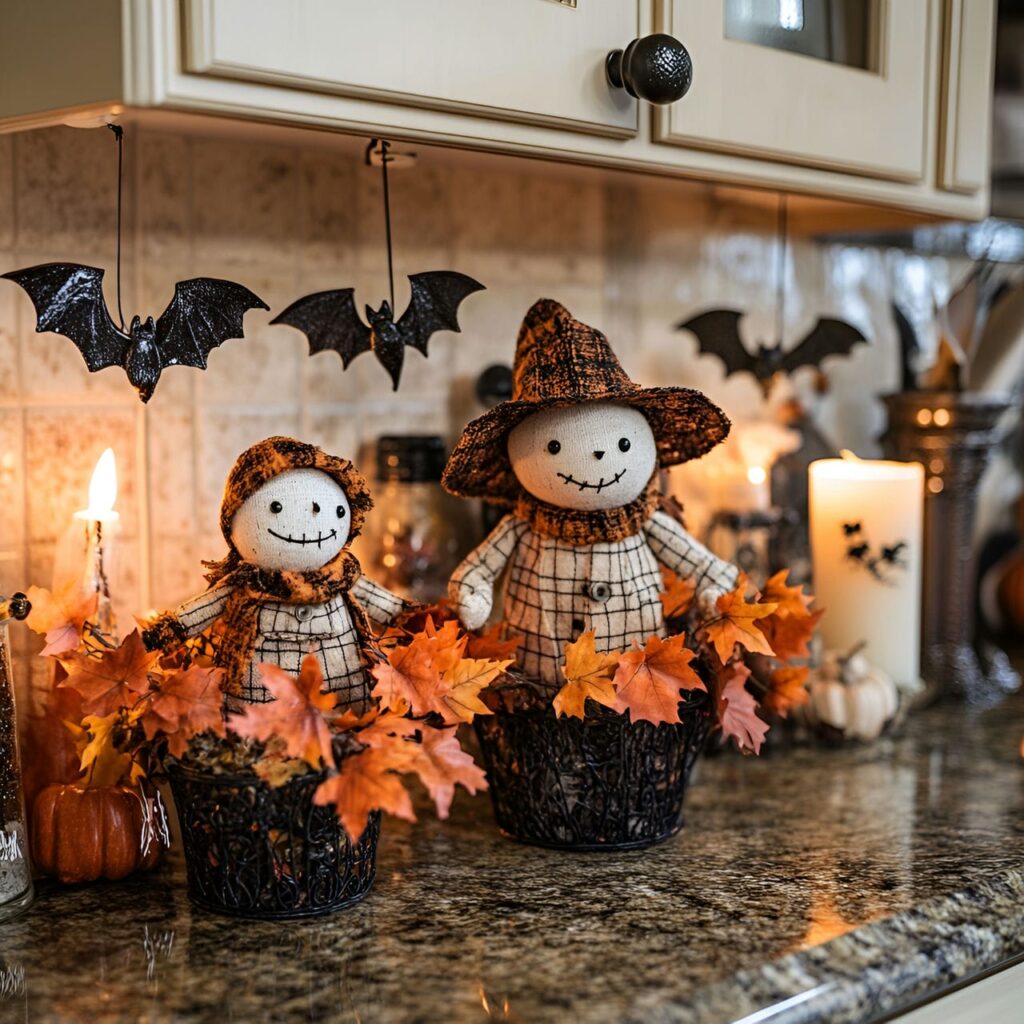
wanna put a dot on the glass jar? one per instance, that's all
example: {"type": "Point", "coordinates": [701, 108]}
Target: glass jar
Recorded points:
{"type": "Point", "coordinates": [412, 542]}
{"type": "Point", "coordinates": [15, 874]}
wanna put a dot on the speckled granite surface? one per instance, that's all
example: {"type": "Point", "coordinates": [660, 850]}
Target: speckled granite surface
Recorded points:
{"type": "Point", "coordinates": [832, 885]}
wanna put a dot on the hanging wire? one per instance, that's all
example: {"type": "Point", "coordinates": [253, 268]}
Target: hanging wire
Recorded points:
{"type": "Point", "coordinates": [384, 160]}
{"type": "Point", "coordinates": [119, 135]}
{"type": "Point", "coordinates": [782, 233]}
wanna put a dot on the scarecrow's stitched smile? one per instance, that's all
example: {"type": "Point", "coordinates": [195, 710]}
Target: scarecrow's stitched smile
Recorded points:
{"type": "Point", "coordinates": [585, 485]}
{"type": "Point", "coordinates": [317, 540]}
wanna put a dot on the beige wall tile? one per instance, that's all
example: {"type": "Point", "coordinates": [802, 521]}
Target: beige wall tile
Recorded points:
{"type": "Point", "coordinates": [62, 446]}
{"type": "Point", "coordinates": [245, 204]}
{"type": "Point", "coordinates": [6, 191]}
{"type": "Point", "coordinates": [66, 202]}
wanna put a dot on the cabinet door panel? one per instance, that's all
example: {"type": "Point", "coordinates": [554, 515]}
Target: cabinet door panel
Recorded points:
{"type": "Point", "coordinates": [969, 44]}
{"type": "Point", "coordinates": [534, 61]}
{"type": "Point", "coordinates": [777, 104]}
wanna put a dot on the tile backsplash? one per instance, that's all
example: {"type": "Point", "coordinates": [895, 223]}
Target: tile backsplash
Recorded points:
{"type": "Point", "coordinates": [633, 256]}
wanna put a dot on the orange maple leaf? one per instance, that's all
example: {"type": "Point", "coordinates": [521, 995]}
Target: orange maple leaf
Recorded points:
{"type": "Point", "coordinates": [61, 615]}
{"type": "Point", "coordinates": [789, 636]}
{"type": "Point", "coordinates": [464, 681]}
{"type": "Point", "coordinates": [410, 678]}
{"type": "Point", "coordinates": [296, 715]}
{"type": "Point", "coordinates": [587, 674]}
{"type": "Point", "coordinates": [736, 624]}
{"type": "Point", "coordinates": [790, 600]}
{"type": "Point", "coordinates": [677, 594]}
{"type": "Point", "coordinates": [185, 703]}
{"type": "Point", "coordinates": [445, 645]}
{"type": "Point", "coordinates": [648, 679]}
{"type": "Point", "coordinates": [787, 689]}
{"type": "Point", "coordinates": [492, 645]}
{"type": "Point", "coordinates": [366, 782]}
{"type": "Point", "coordinates": [737, 709]}
{"type": "Point", "coordinates": [115, 679]}
{"type": "Point", "coordinates": [441, 763]}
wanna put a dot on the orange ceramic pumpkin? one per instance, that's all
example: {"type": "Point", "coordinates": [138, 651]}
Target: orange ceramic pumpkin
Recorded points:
{"type": "Point", "coordinates": [80, 835]}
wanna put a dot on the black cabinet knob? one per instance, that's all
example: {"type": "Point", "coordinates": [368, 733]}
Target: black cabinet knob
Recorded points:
{"type": "Point", "coordinates": [656, 68]}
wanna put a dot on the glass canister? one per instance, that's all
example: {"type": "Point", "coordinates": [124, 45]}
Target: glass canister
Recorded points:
{"type": "Point", "coordinates": [16, 891]}
{"type": "Point", "coordinates": [413, 533]}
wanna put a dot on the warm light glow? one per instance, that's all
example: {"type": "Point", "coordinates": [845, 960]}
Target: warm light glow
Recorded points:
{"type": "Point", "coordinates": [942, 417]}
{"type": "Point", "coordinates": [757, 475]}
{"type": "Point", "coordinates": [102, 489]}
{"type": "Point", "coordinates": [845, 453]}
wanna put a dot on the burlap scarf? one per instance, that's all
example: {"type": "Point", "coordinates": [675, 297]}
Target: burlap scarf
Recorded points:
{"type": "Point", "coordinates": [577, 527]}
{"type": "Point", "coordinates": [252, 587]}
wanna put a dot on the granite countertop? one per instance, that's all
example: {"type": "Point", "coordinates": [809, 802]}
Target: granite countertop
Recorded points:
{"type": "Point", "coordinates": [828, 885]}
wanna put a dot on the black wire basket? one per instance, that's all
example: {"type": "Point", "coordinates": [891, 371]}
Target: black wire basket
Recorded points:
{"type": "Point", "coordinates": [256, 851]}
{"type": "Point", "coordinates": [600, 783]}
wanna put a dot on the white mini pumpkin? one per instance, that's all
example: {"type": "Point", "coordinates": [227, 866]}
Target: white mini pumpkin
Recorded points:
{"type": "Point", "coordinates": [852, 695]}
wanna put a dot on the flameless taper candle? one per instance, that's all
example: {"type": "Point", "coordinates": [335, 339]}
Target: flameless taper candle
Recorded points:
{"type": "Point", "coordinates": [867, 523]}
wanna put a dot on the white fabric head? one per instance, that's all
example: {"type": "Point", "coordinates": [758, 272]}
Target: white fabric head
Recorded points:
{"type": "Point", "coordinates": [595, 455]}
{"type": "Point", "coordinates": [296, 521]}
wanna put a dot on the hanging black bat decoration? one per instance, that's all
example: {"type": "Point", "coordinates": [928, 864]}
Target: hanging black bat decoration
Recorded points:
{"type": "Point", "coordinates": [330, 319]}
{"type": "Point", "coordinates": [68, 298]}
{"type": "Point", "coordinates": [718, 333]}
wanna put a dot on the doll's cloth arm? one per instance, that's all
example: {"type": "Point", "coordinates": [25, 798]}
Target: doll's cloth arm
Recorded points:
{"type": "Point", "coordinates": [189, 619]}
{"type": "Point", "coordinates": [378, 602]}
{"type": "Point", "coordinates": [675, 549]}
{"type": "Point", "coordinates": [471, 588]}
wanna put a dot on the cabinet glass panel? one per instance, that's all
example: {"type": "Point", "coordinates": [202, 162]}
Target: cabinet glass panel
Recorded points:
{"type": "Point", "coordinates": [837, 31]}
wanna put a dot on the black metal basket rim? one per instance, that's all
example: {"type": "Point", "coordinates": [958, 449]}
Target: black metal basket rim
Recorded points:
{"type": "Point", "coordinates": [234, 778]}
{"type": "Point", "coordinates": [691, 700]}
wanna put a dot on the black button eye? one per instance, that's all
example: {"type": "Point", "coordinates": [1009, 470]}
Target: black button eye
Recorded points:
{"type": "Point", "coordinates": [316, 508]}
{"type": "Point", "coordinates": [341, 511]}
{"type": "Point", "coordinates": [554, 447]}
{"type": "Point", "coordinates": [275, 507]}
{"type": "Point", "coordinates": [623, 444]}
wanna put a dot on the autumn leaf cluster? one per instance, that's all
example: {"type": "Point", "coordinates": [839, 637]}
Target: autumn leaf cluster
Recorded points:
{"type": "Point", "coordinates": [424, 695]}
{"type": "Point", "coordinates": [648, 682]}
{"type": "Point", "coordinates": [124, 705]}
{"type": "Point", "coordinates": [128, 707]}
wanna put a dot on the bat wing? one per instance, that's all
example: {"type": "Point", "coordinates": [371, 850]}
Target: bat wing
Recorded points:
{"type": "Point", "coordinates": [203, 313]}
{"type": "Point", "coordinates": [827, 338]}
{"type": "Point", "coordinates": [68, 299]}
{"type": "Point", "coordinates": [434, 305]}
{"type": "Point", "coordinates": [330, 321]}
{"type": "Point", "coordinates": [718, 333]}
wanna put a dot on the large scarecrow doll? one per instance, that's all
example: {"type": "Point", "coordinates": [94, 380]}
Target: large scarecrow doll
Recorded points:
{"type": "Point", "coordinates": [288, 585]}
{"type": "Point", "coordinates": [576, 453]}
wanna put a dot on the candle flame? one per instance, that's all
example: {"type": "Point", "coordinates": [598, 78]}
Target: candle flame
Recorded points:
{"type": "Point", "coordinates": [757, 475]}
{"type": "Point", "coordinates": [845, 453]}
{"type": "Point", "coordinates": [103, 486]}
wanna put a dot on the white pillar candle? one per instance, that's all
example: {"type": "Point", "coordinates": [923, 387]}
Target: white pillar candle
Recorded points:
{"type": "Point", "coordinates": [867, 527]}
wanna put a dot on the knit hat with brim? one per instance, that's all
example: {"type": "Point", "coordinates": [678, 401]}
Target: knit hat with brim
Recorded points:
{"type": "Point", "coordinates": [559, 362]}
{"type": "Point", "coordinates": [277, 455]}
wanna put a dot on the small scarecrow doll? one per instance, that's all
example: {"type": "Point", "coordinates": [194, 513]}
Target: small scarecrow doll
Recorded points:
{"type": "Point", "coordinates": [288, 585]}
{"type": "Point", "coordinates": [576, 453]}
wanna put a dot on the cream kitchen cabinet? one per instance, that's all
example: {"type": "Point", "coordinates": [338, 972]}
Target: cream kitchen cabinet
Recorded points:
{"type": "Point", "coordinates": [537, 62]}
{"type": "Point", "coordinates": [858, 105]}
{"type": "Point", "coordinates": [899, 119]}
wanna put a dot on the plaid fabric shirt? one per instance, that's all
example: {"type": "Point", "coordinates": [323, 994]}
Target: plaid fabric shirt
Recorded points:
{"type": "Point", "coordinates": [288, 632]}
{"type": "Point", "coordinates": [555, 591]}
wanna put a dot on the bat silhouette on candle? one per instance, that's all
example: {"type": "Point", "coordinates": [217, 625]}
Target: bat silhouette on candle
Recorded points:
{"type": "Point", "coordinates": [860, 550]}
